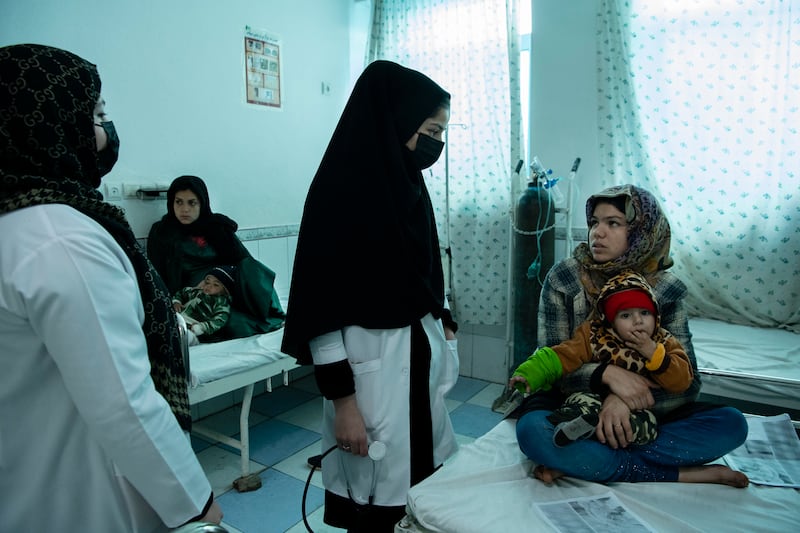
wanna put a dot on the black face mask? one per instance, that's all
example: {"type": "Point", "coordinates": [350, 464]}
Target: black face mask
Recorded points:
{"type": "Point", "coordinates": [427, 151]}
{"type": "Point", "coordinates": [107, 157]}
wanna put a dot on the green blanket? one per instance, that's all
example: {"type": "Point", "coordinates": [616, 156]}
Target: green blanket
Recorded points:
{"type": "Point", "coordinates": [255, 307]}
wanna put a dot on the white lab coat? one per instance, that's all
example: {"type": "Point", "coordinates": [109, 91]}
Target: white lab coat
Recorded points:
{"type": "Point", "coordinates": [380, 360]}
{"type": "Point", "coordinates": [86, 442]}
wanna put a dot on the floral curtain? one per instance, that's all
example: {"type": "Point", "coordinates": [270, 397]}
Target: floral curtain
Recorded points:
{"type": "Point", "coordinates": [471, 48]}
{"type": "Point", "coordinates": [700, 103]}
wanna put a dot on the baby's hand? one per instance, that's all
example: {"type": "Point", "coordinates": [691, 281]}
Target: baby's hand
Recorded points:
{"type": "Point", "coordinates": [642, 343]}
{"type": "Point", "coordinates": [515, 380]}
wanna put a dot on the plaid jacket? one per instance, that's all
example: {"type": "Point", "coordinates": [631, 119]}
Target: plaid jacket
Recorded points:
{"type": "Point", "coordinates": [563, 306]}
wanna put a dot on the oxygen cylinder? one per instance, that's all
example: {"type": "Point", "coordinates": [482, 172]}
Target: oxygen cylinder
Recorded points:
{"type": "Point", "coordinates": [534, 253]}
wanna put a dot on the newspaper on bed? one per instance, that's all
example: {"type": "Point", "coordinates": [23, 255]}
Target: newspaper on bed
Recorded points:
{"type": "Point", "coordinates": [601, 513]}
{"type": "Point", "coordinates": [771, 453]}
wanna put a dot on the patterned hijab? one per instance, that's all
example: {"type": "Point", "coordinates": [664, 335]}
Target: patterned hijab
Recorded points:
{"type": "Point", "coordinates": [648, 239]}
{"type": "Point", "coordinates": [48, 155]}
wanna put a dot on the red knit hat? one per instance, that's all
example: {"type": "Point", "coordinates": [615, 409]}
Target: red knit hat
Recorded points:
{"type": "Point", "coordinates": [632, 298]}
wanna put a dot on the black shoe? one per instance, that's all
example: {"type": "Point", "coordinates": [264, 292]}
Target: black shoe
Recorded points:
{"type": "Point", "coordinates": [315, 461]}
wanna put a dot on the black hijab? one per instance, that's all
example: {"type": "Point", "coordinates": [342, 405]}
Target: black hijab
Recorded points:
{"type": "Point", "coordinates": [48, 155]}
{"type": "Point", "coordinates": [368, 251]}
{"type": "Point", "coordinates": [217, 229]}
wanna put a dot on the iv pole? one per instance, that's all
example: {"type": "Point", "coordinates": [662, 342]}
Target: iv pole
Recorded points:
{"type": "Point", "coordinates": [448, 251]}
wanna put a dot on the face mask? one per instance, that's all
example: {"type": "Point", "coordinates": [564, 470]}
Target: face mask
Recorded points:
{"type": "Point", "coordinates": [108, 155]}
{"type": "Point", "coordinates": [427, 151]}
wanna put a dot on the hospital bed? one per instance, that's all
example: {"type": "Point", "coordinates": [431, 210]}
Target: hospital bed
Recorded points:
{"type": "Point", "coordinates": [748, 364]}
{"type": "Point", "coordinates": [218, 368]}
{"type": "Point", "coordinates": [486, 485]}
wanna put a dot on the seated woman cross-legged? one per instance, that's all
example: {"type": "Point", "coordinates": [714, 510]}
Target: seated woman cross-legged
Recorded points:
{"type": "Point", "coordinates": [190, 240]}
{"type": "Point", "coordinates": [627, 231]}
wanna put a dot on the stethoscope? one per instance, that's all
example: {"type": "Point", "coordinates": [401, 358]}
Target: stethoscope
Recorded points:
{"type": "Point", "coordinates": [376, 452]}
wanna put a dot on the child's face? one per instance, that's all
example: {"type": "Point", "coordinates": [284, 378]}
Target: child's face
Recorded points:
{"type": "Point", "coordinates": [634, 319]}
{"type": "Point", "coordinates": [211, 285]}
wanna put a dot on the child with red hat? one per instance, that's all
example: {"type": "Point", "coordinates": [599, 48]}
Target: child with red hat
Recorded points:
{"type": "Point", "coordinates": [623, 330]}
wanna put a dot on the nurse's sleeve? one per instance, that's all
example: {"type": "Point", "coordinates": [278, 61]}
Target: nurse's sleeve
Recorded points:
{"type": "Point", "coordinates": [331, 368]}
{"type": "Point", "coordinates": [84, 303]}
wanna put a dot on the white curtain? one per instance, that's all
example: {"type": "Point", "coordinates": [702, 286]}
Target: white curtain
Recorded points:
{"type": "Point", "coordinates": [471, 48]}
{"type": "Point", "coordinates": [700, 103]}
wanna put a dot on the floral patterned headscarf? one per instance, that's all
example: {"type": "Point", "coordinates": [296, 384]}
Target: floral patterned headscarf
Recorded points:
{"type": "Point", "coordinates": [648, 239]}
{"type": "Point", "coordinates": [48, 155]}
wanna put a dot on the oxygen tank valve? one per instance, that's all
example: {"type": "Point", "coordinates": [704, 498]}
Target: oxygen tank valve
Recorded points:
{"type": "Point", "coordinates": [539, 172]}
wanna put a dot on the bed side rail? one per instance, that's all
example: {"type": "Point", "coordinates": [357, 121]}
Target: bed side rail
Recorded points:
{"type": "Point", "coordinates": [182, 329]}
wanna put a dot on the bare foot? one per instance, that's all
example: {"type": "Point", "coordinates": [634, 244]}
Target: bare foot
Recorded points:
{"type": "Point", "coordinates": [548, 475]}
{"type": "Point", "coordinates": [719, 474]}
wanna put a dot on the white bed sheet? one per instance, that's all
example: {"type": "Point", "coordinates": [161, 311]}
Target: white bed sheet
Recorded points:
{"type": "Point", "coordinates": [748, 363]}
{"type": "Point", "coordinates": [485, 487]}
{"type": "Point", "coordinates": [213, 361]}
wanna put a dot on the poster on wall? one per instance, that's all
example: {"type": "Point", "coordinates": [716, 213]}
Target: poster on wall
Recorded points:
{"type": "Point", "coordinates": [262, 60]}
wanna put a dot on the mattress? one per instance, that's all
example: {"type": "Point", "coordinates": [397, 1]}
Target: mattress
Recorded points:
{"type": "Point", "coordinates": [748, 363]}
{"type": "Point", "coordinates": [214, 361]}
{"type": "Point", "coordinates": [485, 486]}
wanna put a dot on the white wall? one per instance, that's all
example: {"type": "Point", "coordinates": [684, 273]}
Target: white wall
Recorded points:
{"type": "Point", "coordinates": [563, 107]}
{"type": "Point", "coordinates": [172, 77]}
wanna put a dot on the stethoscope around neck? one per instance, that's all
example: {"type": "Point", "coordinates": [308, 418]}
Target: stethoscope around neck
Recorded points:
{"type": "Point", "coordinates": [376, 452]}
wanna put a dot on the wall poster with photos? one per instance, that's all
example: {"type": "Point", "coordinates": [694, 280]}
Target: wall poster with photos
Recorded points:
{"type": "Point", "coordinates": [262, 53]}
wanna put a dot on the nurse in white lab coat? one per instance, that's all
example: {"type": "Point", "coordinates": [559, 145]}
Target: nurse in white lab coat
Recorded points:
{"type": "Point", "coordinates": [87, 442]}
{"type": "Point", "coordinates": [366, 304]}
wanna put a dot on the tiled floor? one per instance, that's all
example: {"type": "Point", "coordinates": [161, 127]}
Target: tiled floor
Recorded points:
{"type": "Point", "coordinates": [284, 432]}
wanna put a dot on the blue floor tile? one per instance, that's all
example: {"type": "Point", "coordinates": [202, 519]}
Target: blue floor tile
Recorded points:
{"type": "Point", "coordinates": [465, 388]}
{"type": "Point", "coordinates": [307, 383]}
{"type": "Point", "coordinates": [273, 441]}
{"type": "Point", "coordinates": [199, 444]}
{"type": "Point", "coordinates": [280, 400]}
{"type": "Point", "coordinates": [474, 420]}
{"type": "Point", "coordinates": [275, 507]}
{"type": "Point", "coordinates": [225, 422]}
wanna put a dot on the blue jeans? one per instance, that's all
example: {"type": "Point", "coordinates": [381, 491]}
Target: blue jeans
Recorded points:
{"type": "Point", "coordinates": [696, 440]}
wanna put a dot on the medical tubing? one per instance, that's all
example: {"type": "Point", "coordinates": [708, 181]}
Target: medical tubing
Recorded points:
{"type": "Point", "coordinates": [308, 483]}
{"type": "Point", "coordinates": [377, 451]}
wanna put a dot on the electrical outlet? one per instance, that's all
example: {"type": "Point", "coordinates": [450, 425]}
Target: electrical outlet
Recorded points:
{"type": "Point", "coordinates": [113, 192]}
{"type": "Point", "coordinates": [129, 190]}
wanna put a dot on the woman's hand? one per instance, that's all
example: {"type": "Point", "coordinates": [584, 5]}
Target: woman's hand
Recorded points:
{"type": "Point", "coordinates": [351, 433]}
{"type": "Point", "coordinates": [449, 334]}
{"type": "Point", "coordinates": [630, 387]}
{"type": "Point", "coordinates": [614, 427]}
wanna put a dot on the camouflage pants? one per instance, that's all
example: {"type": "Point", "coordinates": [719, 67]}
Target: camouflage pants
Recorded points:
{"type": "Point", "coordinates": [586, 407]}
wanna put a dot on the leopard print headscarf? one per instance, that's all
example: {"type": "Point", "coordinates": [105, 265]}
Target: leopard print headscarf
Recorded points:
{"type": "Point", "coordinates": [648, 240]}
{"type": "Point", "coordinates": [48, 155]}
